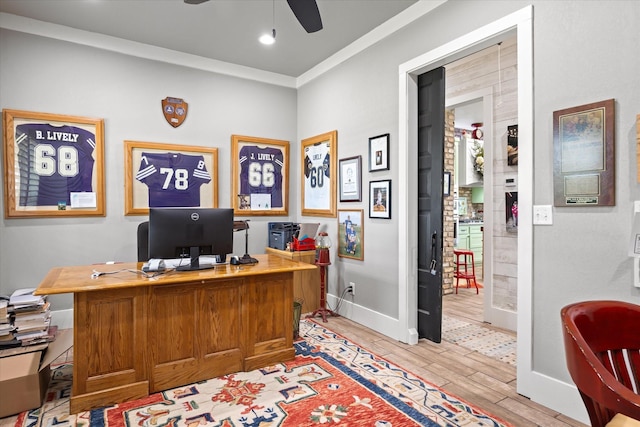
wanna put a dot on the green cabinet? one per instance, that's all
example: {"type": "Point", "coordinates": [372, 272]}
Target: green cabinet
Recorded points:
{"type": "Point", "coordinates": [470, 238]}
{"type": "Point", "coordinates": [477, 195]}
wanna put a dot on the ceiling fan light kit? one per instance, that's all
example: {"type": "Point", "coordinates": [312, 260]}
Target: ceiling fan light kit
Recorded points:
{"type": "Point", "coordinates": [268, 38]}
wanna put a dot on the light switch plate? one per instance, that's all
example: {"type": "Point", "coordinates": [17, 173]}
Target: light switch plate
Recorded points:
{"type": "Point", "coordinates": [542, 215]}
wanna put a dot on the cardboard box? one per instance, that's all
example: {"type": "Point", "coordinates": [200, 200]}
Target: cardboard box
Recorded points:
{"type": "Point", "coordinates": [25, 373]}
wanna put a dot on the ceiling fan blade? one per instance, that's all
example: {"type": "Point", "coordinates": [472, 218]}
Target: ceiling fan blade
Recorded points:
{"type": "Point", "coordinates": [195, 1]}
{"type": "Point", "coordinates": [307, 13]}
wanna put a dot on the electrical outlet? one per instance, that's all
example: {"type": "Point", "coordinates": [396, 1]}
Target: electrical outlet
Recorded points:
{"type": "Point", "coordinates": [352, 285]}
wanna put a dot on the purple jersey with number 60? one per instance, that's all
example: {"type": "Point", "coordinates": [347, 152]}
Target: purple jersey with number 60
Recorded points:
{"type": "Point", "coordinates": [173, 179]}
{"type": "Point", "coordinates": [261, 172]}
{"type": "Point", "coordinates": [53, 161]}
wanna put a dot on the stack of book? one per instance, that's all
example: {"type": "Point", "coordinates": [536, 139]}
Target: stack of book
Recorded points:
{"type": "Point", "coordinates": [31, 317]}
{"type": "Point", "coordinates": [6, 327]}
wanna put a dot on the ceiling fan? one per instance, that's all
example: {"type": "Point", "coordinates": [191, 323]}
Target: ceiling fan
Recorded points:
{"type": "Point", "coordinates": [306, 11]}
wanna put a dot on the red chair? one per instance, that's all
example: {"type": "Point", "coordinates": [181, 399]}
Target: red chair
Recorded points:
{"type": "Point", "coordinates": [464, 268]}
{"type": "Point", "coordinates": [602, 345]}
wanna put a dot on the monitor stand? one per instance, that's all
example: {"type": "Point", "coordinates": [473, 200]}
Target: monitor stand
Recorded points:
{"type": "Point", "coordinates": [194, 252]}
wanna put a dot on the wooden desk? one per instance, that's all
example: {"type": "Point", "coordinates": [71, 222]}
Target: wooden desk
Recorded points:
{"type": "Point", "coordinates": [134, 336]}
{"type": "Point", "coordinates": [306, 283]}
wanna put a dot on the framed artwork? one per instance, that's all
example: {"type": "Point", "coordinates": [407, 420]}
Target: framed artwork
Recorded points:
{"type": "Point", "coordinates": [379, 153]}
{"type": "Point", "coordinates": [260, 176]}
{"type": "Point", "coordinates": [351, 234]}
{"type": "Point", "coordinates": [159, 175]}
{"type": "Point", "coordinates": [512, 145]}
{"type": "Point", "coordinates": [511, 211]}
{"type": "Point", "coordinates": [584, 162]}
{"type": "Point", "coordinates": [446, 183]}
{"type": "Point", "coordinates": [318, 187]}
{"type": "Point", "coordinates": [380, 199]}
{"type": "Point", "coordinates": [53, 165]}
{"type": "Point", "coordinates": [351, 179]}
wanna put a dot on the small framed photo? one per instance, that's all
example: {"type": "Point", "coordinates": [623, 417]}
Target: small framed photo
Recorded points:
{"type": "Point", "coordinates": [351, 233]}
{"type": "Point", "coordinates": [379, 153]}
{"type": "Point", "coordinates": [159, 175]}
{"type": "Point", "coordinates": [53, 165]}
{"type": "Point", "coordinates": [351, 179]}
{"type": "Point", "coordinates": [380, 199]}
{"type": "Point", "coordinates": [446, 183]}
{"type": "Point", "coordinates": [260, 176]}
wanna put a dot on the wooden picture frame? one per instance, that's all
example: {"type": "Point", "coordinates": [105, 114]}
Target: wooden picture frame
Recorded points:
{"type": "Point", "coordinates": [380, 199]}
{"type": "Point", "coordinates": [318, 177]}
{"type": "Point", "coordinates": [584, 155]}
{"type": "Point", "coordinates": [351, 179]}
{"type": "Point", "coordinates": [169, 175]}
{"type": "Point", "coordinates": [379, 153]}
{"type": "Point", "coordinates": [53, 165]}
{"type": "Point", "coordinates": [351, 233]}
{"type": "Point", "coordinates": [446, 184]}
{"type": "Point", "coordinates": [260, 176]}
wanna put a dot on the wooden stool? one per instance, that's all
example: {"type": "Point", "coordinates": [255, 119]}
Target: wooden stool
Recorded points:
{"type": "Point", "coordinates": [465, 268]}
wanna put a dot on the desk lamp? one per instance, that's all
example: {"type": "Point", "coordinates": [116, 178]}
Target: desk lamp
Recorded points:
{"type": "Point", "coordinates": [244, 225]}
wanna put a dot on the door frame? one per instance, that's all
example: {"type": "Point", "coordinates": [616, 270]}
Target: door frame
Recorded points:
{"type": "Point", "coordinates": [520, 23]}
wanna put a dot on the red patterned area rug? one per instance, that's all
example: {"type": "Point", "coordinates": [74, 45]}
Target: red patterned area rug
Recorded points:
{"type": "Point", "coordinates": [331, 381]}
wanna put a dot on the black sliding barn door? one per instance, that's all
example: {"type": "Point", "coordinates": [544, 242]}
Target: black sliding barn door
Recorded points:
{"type": "Point", "coordinates": [430, 171]}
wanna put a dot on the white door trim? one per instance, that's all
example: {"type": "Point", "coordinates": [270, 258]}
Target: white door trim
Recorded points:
{"type": "Point", "coordinates": [521, 23]}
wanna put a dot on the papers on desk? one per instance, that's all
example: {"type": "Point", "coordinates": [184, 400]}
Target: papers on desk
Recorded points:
{"type": "Point", "coordinates": [181, 262]}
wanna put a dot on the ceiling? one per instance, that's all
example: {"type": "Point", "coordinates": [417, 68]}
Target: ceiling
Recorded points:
{"type": "Point", "coordinates": [224, 30]}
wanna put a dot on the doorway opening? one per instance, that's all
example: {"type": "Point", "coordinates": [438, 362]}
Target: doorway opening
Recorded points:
{"type": "Point", "coordinates": [520, 24]}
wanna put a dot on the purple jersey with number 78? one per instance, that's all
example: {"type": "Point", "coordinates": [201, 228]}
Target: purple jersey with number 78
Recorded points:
{"type": "Point", "coordinates": [174, 179]}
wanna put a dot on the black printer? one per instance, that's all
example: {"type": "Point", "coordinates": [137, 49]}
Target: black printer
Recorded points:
{"type": "Point", "coordinates": [281, 233]}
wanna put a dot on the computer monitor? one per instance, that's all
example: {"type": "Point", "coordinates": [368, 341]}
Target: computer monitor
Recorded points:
{"type": "Point", "coordinates": [189, 233]}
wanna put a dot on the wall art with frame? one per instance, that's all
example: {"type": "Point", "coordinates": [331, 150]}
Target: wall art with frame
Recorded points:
{"type": "Point", "coordinates": [380, 199]}
{"type": "Point", "coordinates": [260, 176]}
{"type": "Point", "coordinates": [159, 175]}
{"type": "Point", "coordinates": [54, 165]}
{"type": "Point", "coordinates": [351, 179]}
{"type": "Point", "coordinates": [584, 157]}
{"type": "Point", "coordinates": [351, 233]}
{"type": "Point", "coordinates": [446, 183]}
{"type": "Point", "coordinates": [319, 171]}
{"type": "Point", "coordinates": [379, 153]}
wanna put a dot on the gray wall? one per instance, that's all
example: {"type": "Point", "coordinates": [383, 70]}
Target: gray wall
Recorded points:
{"type": "Point", "coordinates": [45, 75]}
{"type": "Point", "coordinates": [584, 52]}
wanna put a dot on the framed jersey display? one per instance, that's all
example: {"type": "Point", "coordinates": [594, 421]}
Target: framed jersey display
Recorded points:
{"type": "Point", "coordinates": [260, 175]}
{"type": "Point", "coordinates": [168, 175]}
{"type": "Point", "coordinates": [53, 164]}
{"type": "Point", "coordinates": [319, 171]}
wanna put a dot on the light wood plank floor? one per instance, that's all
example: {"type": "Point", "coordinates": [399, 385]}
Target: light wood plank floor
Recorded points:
{"type": "Point", "coordinates": [478, 379]}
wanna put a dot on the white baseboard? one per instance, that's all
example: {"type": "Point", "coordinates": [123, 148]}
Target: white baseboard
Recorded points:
{"type": "Point", "coordinates": [547, 391]}
{"type": "Point", "coordinates": [62, 318]}
{"type": "Point", "coordinates": [372, 319]}
{"type": "Point", "coordinates": [554, 394]}
{"type": "Point", "coordinates": [559, 396]}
